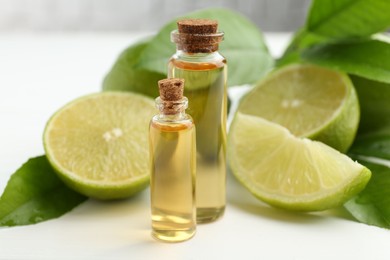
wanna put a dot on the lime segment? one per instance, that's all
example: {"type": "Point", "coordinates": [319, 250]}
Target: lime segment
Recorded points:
{"type": "Point", "coordinates": [98, 144]}
{"type": "Point", "coordinates": [290, 172]}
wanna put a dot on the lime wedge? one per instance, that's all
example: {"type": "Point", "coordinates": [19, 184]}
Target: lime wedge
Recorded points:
{"type": "Point", "coordinates": [98, 144]}
{"type": "Point", "coordinates": [310, 101]}
{"type": "Point", "coordinates": [291, 172]}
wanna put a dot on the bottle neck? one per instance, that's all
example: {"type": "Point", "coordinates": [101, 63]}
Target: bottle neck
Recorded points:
{"type": "Point", "coordinates": [183, 53]}
{"type": "Point", "coordinates": [197, 49]}
{"type": "Point", "coordinates": [172, 110]}
{"type": "Point", "coordinates": [198, 57]}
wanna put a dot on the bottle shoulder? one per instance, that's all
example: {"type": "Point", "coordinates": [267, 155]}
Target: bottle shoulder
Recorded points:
{"type": "Point", "coordinates": [197, 61]}
{"type": "Point", "coordinates": [168, 124]}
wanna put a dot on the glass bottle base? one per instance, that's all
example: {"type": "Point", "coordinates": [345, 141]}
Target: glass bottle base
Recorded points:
{"type": "Point", "coordinates": [206, 215]}
{"type": "Point", "coordinates": [173, 236]}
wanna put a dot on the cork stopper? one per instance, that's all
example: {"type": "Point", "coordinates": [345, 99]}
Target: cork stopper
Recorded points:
{"type": "Point", "coordinates": [197, 26]}
{"type": "Point", "coordinates": [171, 89]}
{"type": "Point", "coordinates": [197, 35]}
{"type": "Point", "coordinates": [171, 96]}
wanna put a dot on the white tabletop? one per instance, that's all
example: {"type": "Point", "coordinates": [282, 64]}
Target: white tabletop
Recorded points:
{"type": "Point", "coordinates": [39, 74]}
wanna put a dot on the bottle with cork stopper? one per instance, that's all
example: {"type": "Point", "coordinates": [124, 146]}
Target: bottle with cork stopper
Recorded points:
{"type": "Point", "coordinates": [204, 69]}
{"type": "Point", "coordinates": [173, 165]}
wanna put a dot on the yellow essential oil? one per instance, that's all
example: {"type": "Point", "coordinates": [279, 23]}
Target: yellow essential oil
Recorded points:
{"type": "Point", "coordinates": [204, 70]}
{"type": "Point", "coordinates": [173, 165]}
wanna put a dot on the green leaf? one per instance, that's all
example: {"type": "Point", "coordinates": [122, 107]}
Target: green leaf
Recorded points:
{"type": "Point", "coordinates": [375, 144]}
{"type": "Point", "coordinates": [330, 21]}
{"type": "Point", "coordinates": [369, 58]}
{"type": "Point", "coordinates": [244, 48]}
{"type": "Point", "coordinates": [123, 76]}
{"type": "Point", "coordinates": [372, 205]}
{"type": "Point", "coordinates": [374, 99]}
{"type": "Point", "coordinates": [34, 194]}
{"type": "Point", "coordinates": [341, 19]}
{"type": "Point", "coordinates": [303, 39]}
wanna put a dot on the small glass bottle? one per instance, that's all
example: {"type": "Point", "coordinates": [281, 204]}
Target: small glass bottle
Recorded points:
{"type": "Point", "coordinates": [204, 70]}
{"type": "Point", "coordinates": [173, 165]}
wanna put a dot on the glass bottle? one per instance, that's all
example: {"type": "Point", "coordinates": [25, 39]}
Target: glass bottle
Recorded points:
{"type": "Point", "coordinates": [204, 70]}
{"type": "Point", "coordinates": [173, 165]}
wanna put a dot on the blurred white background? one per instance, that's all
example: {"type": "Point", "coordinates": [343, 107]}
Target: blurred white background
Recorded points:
{"type": "Point", "coordinates": [145, 15]}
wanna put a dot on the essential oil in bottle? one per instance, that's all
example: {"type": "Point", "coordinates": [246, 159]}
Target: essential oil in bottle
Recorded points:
{"type": "Point", "coordinates": [173, 165]}
{"type": "Point", "coordinates": [204, 70]}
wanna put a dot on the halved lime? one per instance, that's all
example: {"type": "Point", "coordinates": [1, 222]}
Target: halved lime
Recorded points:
{"type": "Point", "coordinates": [98, 144]}
{"type": "Point", "coordinates": [310, 101]}
{"type": "Point", "coordinates": [291, 172]}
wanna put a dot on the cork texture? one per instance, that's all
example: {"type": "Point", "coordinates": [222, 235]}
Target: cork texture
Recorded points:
{"type": "Point", "coordinates": [197, 35]}
{"type": "Point", "coordinates": [171, 89]}
{"type": "Point", "coordinates": [197, 26]}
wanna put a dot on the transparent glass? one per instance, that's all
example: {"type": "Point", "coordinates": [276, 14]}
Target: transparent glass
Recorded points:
{"type": "Point", "coordinates": [205, 76]}
{"type": "Point", "coordinates": [173, 165]}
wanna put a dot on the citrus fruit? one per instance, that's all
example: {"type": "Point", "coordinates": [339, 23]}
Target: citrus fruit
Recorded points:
{"type": "Point", "coordinates": [98, 144]}
{"type": "Point", "coordinates": [291, 172]}
{"type": "Point", "coordinates": [310, 101]}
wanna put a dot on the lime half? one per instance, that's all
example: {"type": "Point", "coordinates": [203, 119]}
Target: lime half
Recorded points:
{"type": "Point", "coordinates": [291, 172]}
{"type": "Point", "coordinates": [98, 144]}
{"type": "Point", "coordinates": [310, 101]}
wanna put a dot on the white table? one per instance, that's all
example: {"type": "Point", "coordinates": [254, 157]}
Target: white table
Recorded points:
{"type": "Point", "coordinates": [40, 73]}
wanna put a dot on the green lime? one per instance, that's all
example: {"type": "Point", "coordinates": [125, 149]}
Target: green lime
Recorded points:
{"type": "Point", "coordinates": [291, 172]}
{"type": "Point", "coordinates": [98, 144]}
{"type": "Point", "coordinates": [310, 101]}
